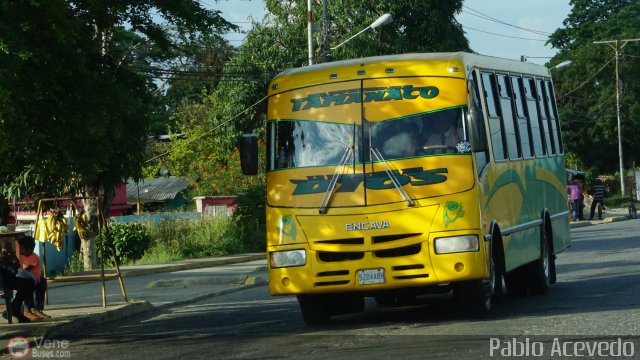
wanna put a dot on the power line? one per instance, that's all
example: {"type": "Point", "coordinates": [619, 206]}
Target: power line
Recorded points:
{"type": "Point", "coordinates": [490, 18]}
{"type": "Point", "coordinates": [586, 81]}
{"type": "Point", "coordinates": [508, 36]}
{"type": "Point", "coordinates": [187, 142]}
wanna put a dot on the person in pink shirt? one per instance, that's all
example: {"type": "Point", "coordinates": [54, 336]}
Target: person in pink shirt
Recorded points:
{"type": "Point", "coordinates": [575, 196]}
{"type": "Point", "coordinates": [30, 261]}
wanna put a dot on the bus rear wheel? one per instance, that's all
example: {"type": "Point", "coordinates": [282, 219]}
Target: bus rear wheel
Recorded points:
{"type": "Point", "coordinates": [539, 271]}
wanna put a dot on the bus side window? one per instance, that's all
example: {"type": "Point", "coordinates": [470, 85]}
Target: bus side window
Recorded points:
{"type": "Point", "coordinates": [475, 128]}
{"type": "Point", "coordinates": [521, 118]}
{"type": "Point", "coordinates": [531, 109]}
{"type": "Point", "coordinates": [508, 118]}
{"type": "Point", "coordinates": [544, 117]}
{"type": "Point", "coordinates": [495, 122]}
{"type": "Point", "coordinates": [553, 116]}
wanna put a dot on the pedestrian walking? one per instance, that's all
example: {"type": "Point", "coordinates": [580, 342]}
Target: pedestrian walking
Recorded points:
{"type": "Point", "coordinates": [575, 196]}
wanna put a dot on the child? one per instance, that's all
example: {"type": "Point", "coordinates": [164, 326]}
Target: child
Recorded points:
{"type": "Point", "coordinates": [31, 262]}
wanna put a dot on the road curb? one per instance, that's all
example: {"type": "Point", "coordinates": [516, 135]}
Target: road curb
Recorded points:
{"type": "Point", "coordinates": [192, 265]}
{"type": "Point", "coordinates": [187, 265]}
{"type": "Point", "coordinates": [257, 281]}
{"type": "Point", "coordinates": [72, 326]}
{"type": "Point", "coordinates": [615, 219]}
{"type": "Point", "coordinates": [606, 220]}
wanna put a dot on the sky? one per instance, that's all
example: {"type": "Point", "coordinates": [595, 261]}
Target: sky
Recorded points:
{"type": "Point", "coordinates": [528, 23]}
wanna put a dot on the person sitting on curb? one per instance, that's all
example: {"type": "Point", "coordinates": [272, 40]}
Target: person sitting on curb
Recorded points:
{"type": "Point", "coordinates": [30, 261]}
{"type": "Point", "coordinates": [15, 279]}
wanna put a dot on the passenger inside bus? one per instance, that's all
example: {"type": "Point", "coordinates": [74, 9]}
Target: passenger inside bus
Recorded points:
{"type": "Point", "coordinates": [441, 134]}
{"type": "Point", "coordinates": [404, 141]}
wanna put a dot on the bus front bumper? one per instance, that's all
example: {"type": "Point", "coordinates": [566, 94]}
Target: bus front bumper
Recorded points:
{"type": "Point", "coordinates": [374, 271]}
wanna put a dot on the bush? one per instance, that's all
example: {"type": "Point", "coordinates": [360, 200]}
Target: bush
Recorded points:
{"type": "Point", "coordinates": [74, 265]}
{"type": "Point", "coordinates": [176, 239]}
{"type": "Point", "coordinates": [130, 241]}
{"type": "Point", "coordinates": [195, 238]}
{"type": "Point", "coordinates": [249, 220]}
{"type": "Point", "coordinates": [617, 200]}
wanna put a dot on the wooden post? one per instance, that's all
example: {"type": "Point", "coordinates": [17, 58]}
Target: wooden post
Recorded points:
{"type": "Point", "coordinates": [103, 220]}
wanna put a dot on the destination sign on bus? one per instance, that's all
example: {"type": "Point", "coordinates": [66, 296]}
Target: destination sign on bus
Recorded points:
{"type": "Point", "coordinates": [344, 97]}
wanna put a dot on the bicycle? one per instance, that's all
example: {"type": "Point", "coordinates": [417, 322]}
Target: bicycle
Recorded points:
{"type": "Point", "coordinates": [633, 212]}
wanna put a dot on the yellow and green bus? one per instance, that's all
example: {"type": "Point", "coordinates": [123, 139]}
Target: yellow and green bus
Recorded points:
{"type": "Point", "coordinates": [395, 176]}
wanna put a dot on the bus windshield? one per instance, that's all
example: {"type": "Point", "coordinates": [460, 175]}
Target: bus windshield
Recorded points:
{"type": "Point", "coordinates": [301, 143]}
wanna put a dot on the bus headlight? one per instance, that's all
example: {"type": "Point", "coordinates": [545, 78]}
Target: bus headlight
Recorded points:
{"type": "Point", "coordinates": [455, 244]}
{"type": "Point", "coordinates": [288, 258]}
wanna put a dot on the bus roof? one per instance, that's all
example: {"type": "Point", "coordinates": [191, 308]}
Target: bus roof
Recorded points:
{"type": "Point", "coordinates": [376, 66]}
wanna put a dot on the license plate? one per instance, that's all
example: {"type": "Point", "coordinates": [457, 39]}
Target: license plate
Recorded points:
{"type": "Point", "coordinates": [371, 276]}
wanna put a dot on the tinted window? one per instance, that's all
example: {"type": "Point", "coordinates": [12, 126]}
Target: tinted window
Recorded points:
{"type": "Point", "coordinates": [531, 108]}
{"type": "Point", "coordinates": [504, 91]}
{"type": "Point", "coordinates": [495, 122]}
{"type": "Point", "coordinates": [482, 158]}
{"type": "Point", "coordinates": [553, 116]}
{"type": "Point", "coordinates": [522, 121]}
{"type": "Point", "coordinates": [544, 116]}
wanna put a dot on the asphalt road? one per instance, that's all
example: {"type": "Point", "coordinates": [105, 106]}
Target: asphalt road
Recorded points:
{"type": "Point", "coordinates": [596, 302]}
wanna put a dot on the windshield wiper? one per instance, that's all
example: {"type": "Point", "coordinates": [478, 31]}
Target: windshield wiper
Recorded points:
{"type": "Point", "coordinates": [334, 179]}
{"type": "Point", "coordinates": [376, 153]}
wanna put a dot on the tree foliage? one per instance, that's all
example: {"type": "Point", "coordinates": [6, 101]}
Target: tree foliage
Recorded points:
{"type": "Point", "coordinates": [587, 90]}
{"type": "Point", "coordinates": [279, 42]}
{"type": "Point", "coordinates": [77, 96]}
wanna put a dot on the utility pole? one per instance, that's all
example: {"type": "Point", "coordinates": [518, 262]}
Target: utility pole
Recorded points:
{"type": "Point", "coordinates": [310, 30]}
{"type": "Point", "coordinates": [324, 48]}
{"type": "Point", "coordinates": [617, 49]}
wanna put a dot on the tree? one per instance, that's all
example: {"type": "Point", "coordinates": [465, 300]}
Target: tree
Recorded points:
{"type": "Point", "coordinates": [279, 42]}
{"type": "Point", "coordinates": [586, 91]}
{"type": "Point", "coordinates": [66, 73]}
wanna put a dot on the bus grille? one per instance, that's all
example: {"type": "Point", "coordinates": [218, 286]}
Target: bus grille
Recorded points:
{"type": "Point", "coordinates": [328, 256]}
{"type": "Point", "coordinates": [350, 241]}
{"type": "Point", "coordinates": [398, 272]}
{"type": "Point", "coordinates": [387, 238]}
{"type": "Point", "coordinates": [334, 281]}
{"type": "Point", "coordinates": [401, 251]}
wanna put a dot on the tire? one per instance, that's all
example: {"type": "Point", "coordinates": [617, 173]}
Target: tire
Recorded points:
{"type": "Point", "coordinates": [516, 282]}
{"type": "Point", "coordinates": [497, 267]}
{"type": "Point", "coordinates": [477, 296]}
{"type": "Point", "coordinates": [539, 271]}
{"type": "Point", "coordinates": [474, 297]}
{"type": "Point", "coordinates": [314, 309]}
{"type": "Point", "coordinates": [633, 213]}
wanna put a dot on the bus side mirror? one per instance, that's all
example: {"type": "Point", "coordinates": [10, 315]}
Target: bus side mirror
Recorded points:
{"type": "Point", "coordinates": [249, 154]}
{"type": "Point", "coordinates": [475, 122]}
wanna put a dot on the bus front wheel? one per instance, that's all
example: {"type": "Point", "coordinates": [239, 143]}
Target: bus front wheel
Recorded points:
{"type": "Point", "coordinates": [314, 310]}
{"type": "Point", "coordinates": [477, 295]}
